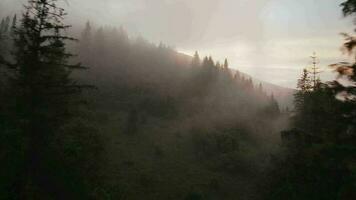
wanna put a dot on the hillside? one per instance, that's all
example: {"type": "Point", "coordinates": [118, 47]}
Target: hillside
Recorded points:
{"type": "Point", "coordinates": [98, 114]}
{"type": "Point", "coordinates": [183, 126]}
{"type": "Point", "coordinates": [283, 95]}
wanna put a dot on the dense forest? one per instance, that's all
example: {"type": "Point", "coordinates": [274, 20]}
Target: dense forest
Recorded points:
{"type": "Point", "coordinates": [109, 116]}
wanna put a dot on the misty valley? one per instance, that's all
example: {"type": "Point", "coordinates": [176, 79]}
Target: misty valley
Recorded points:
{"type": "Point", "coordinates": [91, 111]}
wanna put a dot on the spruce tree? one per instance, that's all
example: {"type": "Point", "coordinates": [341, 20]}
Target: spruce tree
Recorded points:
{"type": "Point", "coordinates": [85, 45]}
{"type": "Point", "coordinates": [4, 33]}
{"type": "Point", "coordinates": [196, 60]}
{"type": "Point", "coordinates": [226, 64]}
{"type": "Point", "coordinates": [304, 86]}
{"type": "Point", "coordinates": [260, 88]}
{"type": "Point", "coordinates": [14, 22]}
{"type": "Point", "coordinates": [44, 97]}
{"type": "Point", "coordinates": [6, 24]}
{"type": "Point", "coordinates": [347, 70]}
{"type": "Point", "coordinates": [272, 109]}
{"type": "Point", "coordinates": [218, 65]}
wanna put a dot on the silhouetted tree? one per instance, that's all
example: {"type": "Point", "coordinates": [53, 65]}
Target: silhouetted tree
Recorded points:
{"type": "Point", "coordinates": [196, 60]}
{"type": "Point", "coordinates": [43, 102]}
{"type": "Point", "coordinates": [305, 86]}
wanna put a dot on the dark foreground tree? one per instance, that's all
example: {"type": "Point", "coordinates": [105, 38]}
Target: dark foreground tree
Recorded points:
{"type": "Point", "coordinates": [52, 142]}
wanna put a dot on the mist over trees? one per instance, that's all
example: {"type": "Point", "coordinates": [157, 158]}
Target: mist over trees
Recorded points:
{"type": "Point", "coordinates": [173, 115]}
{"type": "Point", "coordinates": [135, 120]}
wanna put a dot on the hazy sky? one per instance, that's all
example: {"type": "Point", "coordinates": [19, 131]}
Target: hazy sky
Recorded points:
{"type": "Point", "coordinates": [268, 39]}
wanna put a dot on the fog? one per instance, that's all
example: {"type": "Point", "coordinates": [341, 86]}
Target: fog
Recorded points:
{"type": "Point", "coordinates": [177, 99]}
{"type": "Point", "coordinates": [269, 39]}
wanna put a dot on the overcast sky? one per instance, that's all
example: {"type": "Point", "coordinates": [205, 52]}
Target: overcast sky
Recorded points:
{"type": "Point", "coordinates": [268, 39]}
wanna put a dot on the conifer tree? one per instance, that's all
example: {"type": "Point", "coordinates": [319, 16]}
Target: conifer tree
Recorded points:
{"type": "Point", "coordinates": [249, 84]}
{"type": "Point", "coordinates": [6, 24]}
{"type": "Point", "coordinates": [347, 70]}
{"type": "Point", "coordinates": [304, 83]}
{"type": "Point", "coordinates": [260, 88]}
{"type": "Point", "coordinates": [211, 63]}
{"type": "Point", "coordinates": [4, 29]}
{"type": "Point", "coordinates": [226, 64]}
{"type": "Point", "coordinates": [274, 107]}
{"type": "Point", "coordinates": [87, 33]}
{"type": "Point", "coordinates": [237, 76]}
{"type": "Point", "coordinates": [85, 44]}
{"type": "Point", "coordinates": [218, 65]}
{"type": "Point", "coordinates": [14, 22]}
{"type": "Point", "coordinates": [305, 86]}
{"type": "Point", "coordinates": [196, 60]}
{"type": "Point", "coordinates": [44, 94]}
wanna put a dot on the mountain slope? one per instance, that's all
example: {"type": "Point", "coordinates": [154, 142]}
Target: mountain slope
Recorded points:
{"type": "Point", "coordinates": [283, 95]}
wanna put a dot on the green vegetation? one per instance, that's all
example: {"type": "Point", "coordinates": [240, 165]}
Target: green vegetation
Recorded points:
{"type": "Point", "coordinates": [142, 121]}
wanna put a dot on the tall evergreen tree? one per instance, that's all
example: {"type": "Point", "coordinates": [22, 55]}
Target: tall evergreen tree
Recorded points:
{"type": "Point", "coordinates": [304, 83]}
{"type": "Point", "coordinates": [14, 22]}
{"type": "Point", "coordinates": [43, 98]}
{"type": "Point", "coordinates": [6, 26]}
{"type": "Point", "coordinates": [347, 70]}
{"type": "Point", "coordinates": [304, 86]}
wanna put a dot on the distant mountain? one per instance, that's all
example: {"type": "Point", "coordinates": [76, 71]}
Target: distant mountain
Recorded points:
{"type": "Point", "coordinates": [283, 95]}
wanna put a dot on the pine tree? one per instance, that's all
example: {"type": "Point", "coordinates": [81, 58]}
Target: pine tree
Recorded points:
{"type": "Point", "coordinates": [4, 30]}
{"type": "Point", "coordinates": [305, 86]}
{"type": "Point", "coordinates": [14, 22]}
{"type": "Point", "coordinates": [347, 70]}
{"type": "Point", "coordinates": [2, 26]}
{"type": "Point", "coordinates": [6, 24]}
{"type": "Point", "coordinates": [85, 43]}
{"type": "Point", "coordinates": [87, 34]}
{"type": "Point", "coordinates": [304, 83]}
{"type": "Point", "coordinates": [196, 60]}
{"type": "Point", "coordinates": [260, 88]}
{"type": "Point", "coordinates": [44, 94]}
{"type": "Point", "coordinates": [211, 62]}
{"type": "Point", "coordinates": [218, 65]}
{"type": "Point", "coordinates": [237, 76]}
{"type": "Point", "coordinates": [249, 84]}
{"type": "Point", "coordinates": [274, 106]}
{"type": "Point", "coordinates": [226, 64]}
